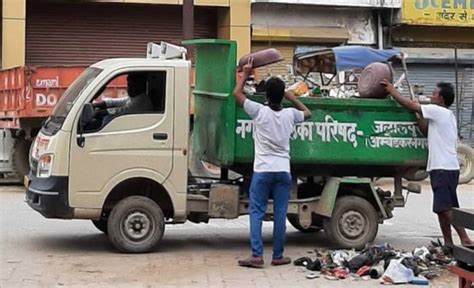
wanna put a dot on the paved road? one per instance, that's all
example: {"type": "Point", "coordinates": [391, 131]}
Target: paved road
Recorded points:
{"type": "Point", "coordinates": [37, 252]}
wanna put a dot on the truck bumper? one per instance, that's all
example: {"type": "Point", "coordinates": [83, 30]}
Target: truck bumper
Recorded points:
{"type": "Point", "coordinates": [49, 196]}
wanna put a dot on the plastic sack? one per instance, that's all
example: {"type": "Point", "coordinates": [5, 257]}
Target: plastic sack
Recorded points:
{"type": "Point", "coordinates": [397, 273]}
{"type": "Point", "coordinates": [299, 88]}
{"type": "Point", "coordinates": [422, 253]}
{"type": "Point", "coordinates": [340, 257]}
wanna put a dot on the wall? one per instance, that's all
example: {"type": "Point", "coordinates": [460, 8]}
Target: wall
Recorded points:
{"type": "Point", "coordinates": [359, 22]}
{"type": "Point", "coordinates": [13, 33]}
{"type": "Point", "coordinates": [345, 3]}
{"type": "Point", "coordinates": [234, 23]}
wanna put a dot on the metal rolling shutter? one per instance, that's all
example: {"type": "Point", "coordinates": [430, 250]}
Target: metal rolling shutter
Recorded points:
{"type": "Point", "coordinates": [83, 33]}
{"type": "Point", "coordinates": [430, 74]}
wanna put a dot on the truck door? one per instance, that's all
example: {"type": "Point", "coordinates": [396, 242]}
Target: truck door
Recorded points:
{"type": "Point", "coordinates": [132, 137]}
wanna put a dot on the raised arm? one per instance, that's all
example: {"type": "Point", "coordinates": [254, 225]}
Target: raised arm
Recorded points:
{"type": "Point", "coordinates": [297, 104]}
{"type": "Point", "coordinates": [239, 87]}
{"type": "Point", "coordinates": [404, 101]}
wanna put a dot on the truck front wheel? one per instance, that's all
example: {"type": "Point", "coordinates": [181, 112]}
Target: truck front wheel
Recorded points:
{"type": "Point", "coordinates": [353, 224]}
{"type": "Point", "coordinates": [136, 225]}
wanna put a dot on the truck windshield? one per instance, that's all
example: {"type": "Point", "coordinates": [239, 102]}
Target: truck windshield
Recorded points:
{"type": "Point", "coordinates": [56, 119]}
{"type": "Point", "coordinates": [71, 94]}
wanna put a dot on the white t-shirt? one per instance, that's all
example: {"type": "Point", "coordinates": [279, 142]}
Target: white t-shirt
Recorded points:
{"type": "Point", "coordinates": [442, 138]}
{"type": "Point", "coordinates": [272, 132]}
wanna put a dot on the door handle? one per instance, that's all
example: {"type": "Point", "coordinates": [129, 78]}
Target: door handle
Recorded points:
{"type": "Point", "coordinates": [160, 136]}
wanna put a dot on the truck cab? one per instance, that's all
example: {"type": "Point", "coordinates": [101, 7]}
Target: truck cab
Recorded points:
{"type": "Point", "coordinates": [84, 160]}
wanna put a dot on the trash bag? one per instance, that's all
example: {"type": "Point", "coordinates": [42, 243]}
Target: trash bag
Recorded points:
{"type": "Point", "coordinates": [410, 263]}
{"type": "Point", "coordinates": [303, 261]}
{"type": "Point", "coordinates": [357, 262]}
{"type": "Point", "coordinates": [397, 273]}
{"type": "Point", "coordinates": [314, 265]}
{"type": "Point", "coordinates": [422, 253]}
{"type": "Point", "coordinates": [340, 257]}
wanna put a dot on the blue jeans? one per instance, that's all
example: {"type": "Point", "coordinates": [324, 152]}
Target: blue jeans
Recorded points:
{"type": "Point", "coordinates": [279, 185]}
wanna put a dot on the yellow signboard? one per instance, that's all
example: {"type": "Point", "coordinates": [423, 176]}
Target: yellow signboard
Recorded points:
{"type": "Point", "coordinates": [438, 12]}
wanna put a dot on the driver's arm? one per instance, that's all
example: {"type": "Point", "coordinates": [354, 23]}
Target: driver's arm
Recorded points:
{"type": "Point", "coordinates": [111, 103]}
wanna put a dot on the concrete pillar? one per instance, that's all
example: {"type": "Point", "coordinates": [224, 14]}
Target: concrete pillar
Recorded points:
{"type": "Point", "coordinates": [234, 24]}
{"type": "Point", "coordinates": [13, 33]}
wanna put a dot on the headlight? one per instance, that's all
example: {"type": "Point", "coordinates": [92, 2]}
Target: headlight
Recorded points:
{"type": "Point", "coordinates": [45, 164]}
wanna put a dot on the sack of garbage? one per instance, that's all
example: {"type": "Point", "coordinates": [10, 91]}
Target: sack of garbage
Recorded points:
{"type": "Point", "coordinates": [299, 88]}
{"type": "Point", "coordinates": [397, 273]}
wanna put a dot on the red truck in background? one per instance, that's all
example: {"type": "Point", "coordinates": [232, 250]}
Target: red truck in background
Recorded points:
{"type": "Point", "coordinates": [27, 97]}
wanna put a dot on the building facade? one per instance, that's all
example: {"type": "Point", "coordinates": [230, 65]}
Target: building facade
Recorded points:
{"type": "Point", "coordinates": [43, 32]}
{"type": "Point", "coordinates": [436, 35]}
{"type": "Point", "coordinates": [438, 38]}
{"type": "Point", "coordinates": [289, 24]}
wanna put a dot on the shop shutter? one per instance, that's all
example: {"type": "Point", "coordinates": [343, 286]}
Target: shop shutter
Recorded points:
{"type": "Point", "coordinates": [430, 74]}
{"type": "Point", "coordinates": [83, 33]}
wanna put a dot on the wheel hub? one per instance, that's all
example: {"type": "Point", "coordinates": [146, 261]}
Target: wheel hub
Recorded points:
{"type": "Point", "coordinates": [136, 225]}
{"type": "Point", "coordinates": [352, 224]}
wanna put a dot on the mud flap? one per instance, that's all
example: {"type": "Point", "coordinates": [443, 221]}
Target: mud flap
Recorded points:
{"type": "Point", "coordinates": [327, 201]}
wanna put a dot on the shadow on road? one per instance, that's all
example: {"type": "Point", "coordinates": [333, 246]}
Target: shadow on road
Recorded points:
{"type": "Point", "coordinates": [82, 244]}
{"type": "Point", "coordinates": [176, 242]}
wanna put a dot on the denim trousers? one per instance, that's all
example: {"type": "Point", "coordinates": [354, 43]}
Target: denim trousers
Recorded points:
{"type": "Point", "coordinates": [264, 184]}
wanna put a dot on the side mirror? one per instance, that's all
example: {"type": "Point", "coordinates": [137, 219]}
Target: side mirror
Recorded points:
{"type": "Point", "coordinates": [86, 117]}
{"type": "Point", "coordinates": [87, 114]}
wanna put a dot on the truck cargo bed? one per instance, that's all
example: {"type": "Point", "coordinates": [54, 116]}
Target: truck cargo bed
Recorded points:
{"type": "Point", "coordinates": [372, 137]}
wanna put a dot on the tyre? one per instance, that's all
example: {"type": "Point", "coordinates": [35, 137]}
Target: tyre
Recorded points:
{"type": "Point", "coordinates": [466, 163]}
{"type": "Point", "coordinates": [101, 225]}
{"type": "Point", "coordinates": [19, 158]}
{"type": "Point", "coordinates": [295, 222]}
{"type": "Point", "coordinates": [136, 225]}
{"type": "Point", "coordinates": [353, 224]}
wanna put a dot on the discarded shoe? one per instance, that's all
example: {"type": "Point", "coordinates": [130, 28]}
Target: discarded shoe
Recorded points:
{"type": "Point", "coordinates": [314, 266]}
{"type": "Point", "coordinates": [312, 275]}
{"type": "Point", "coordinates": [340, 273]}
{"type": "Point", "coordinates": [303, 261]}
{"type": "Point", "coordinates": [364, 270]}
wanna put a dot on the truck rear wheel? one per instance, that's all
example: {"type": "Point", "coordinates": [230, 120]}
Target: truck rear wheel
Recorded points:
{"type": "Point", "coordinates": [353, 224]}
{"type": "Point", "coordinates": [19, 158]}
{"type": "Point", "coordinates": [466, 163]}
{"type": "Point", "coordinates": [136, 225]}
{"type": "Point", "coordinates": [295, 222]}
{"type": "Point", "coordinates": [101, 225]}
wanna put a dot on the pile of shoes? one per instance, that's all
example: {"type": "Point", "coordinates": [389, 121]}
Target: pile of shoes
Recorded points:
{"type": "Point", "coordinates": [381, 262]}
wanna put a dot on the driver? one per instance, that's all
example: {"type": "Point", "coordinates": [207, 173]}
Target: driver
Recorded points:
{"type": "Point", "coordinates": [136, 102]}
